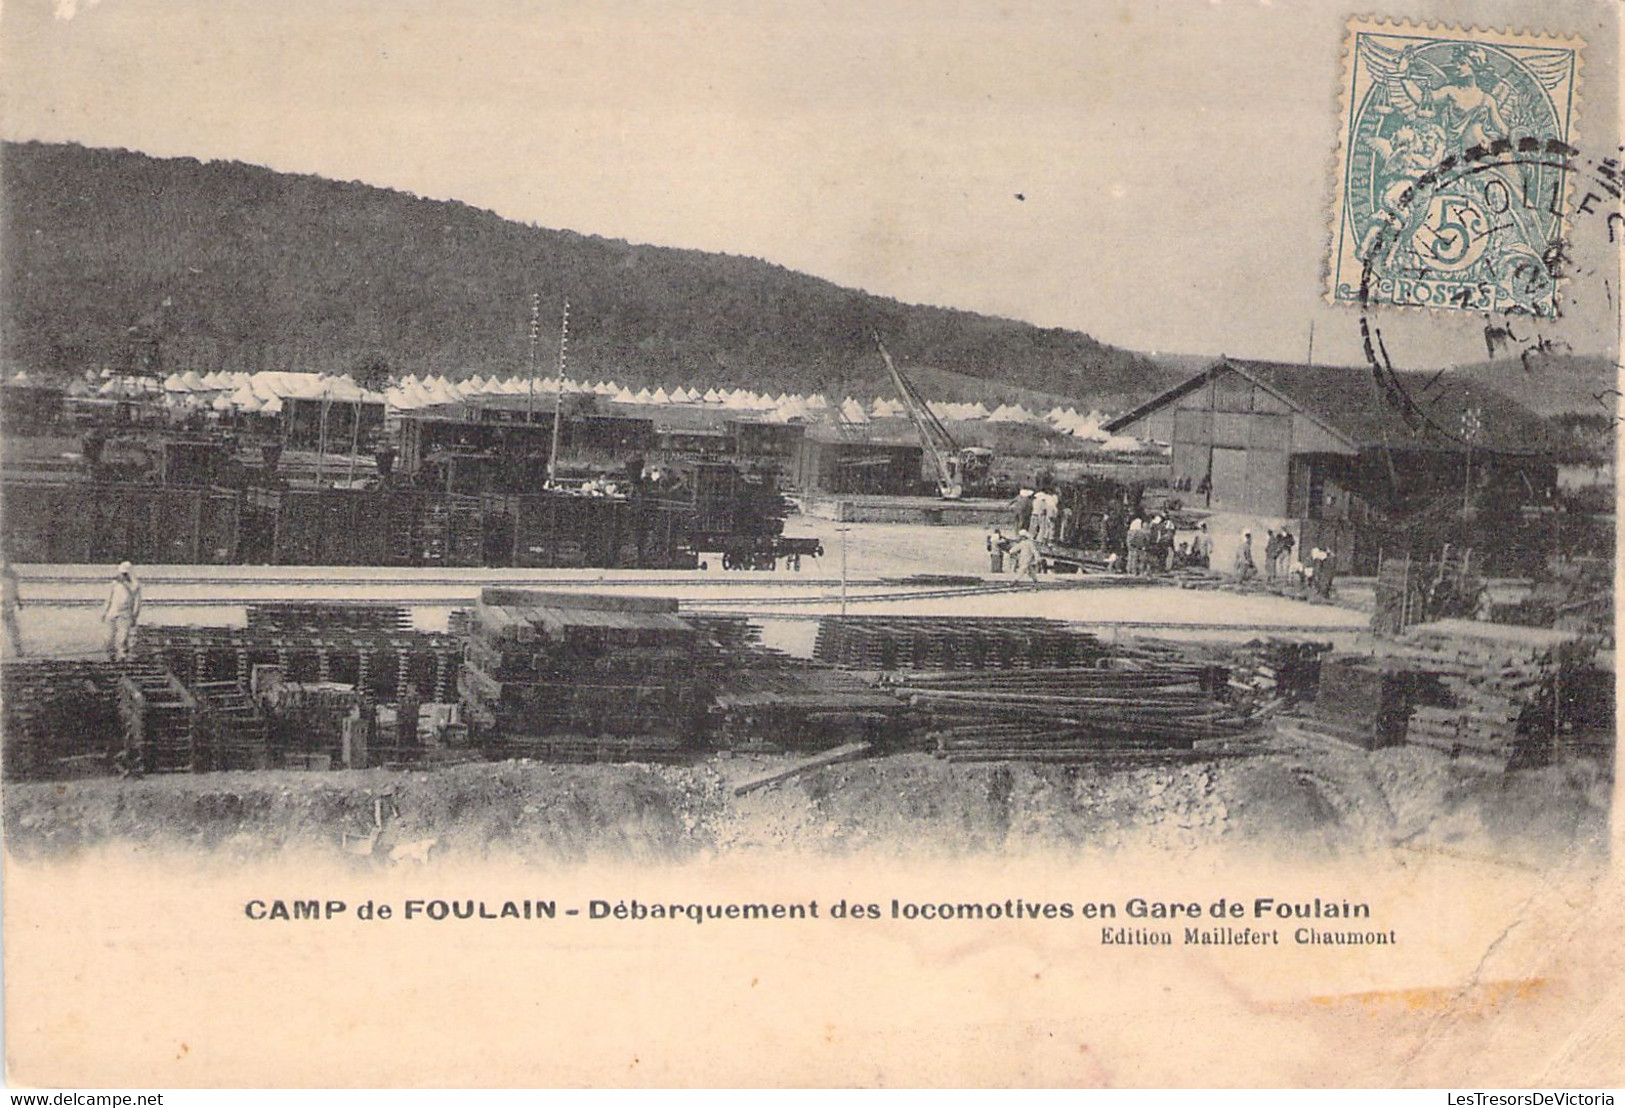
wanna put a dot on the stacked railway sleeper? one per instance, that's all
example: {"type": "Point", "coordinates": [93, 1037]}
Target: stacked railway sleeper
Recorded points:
{"type": "Point", "coordinates": [385, 664]}
{"type": "Point", "coordinates": [232, 731]}
{"type": "Point", "coordinates": [586, 677]}
{"type": "Point", "coordinates": [1488, 696]}
{"type": "Point", "coordinates": [1360, 702]}
{"type": "Point", "coordinates": [73, 718]}
{"type": "Point", "coordinates": [286, 616]}
{"type": "Point", "coordinates": [59, 717]}
{"type": "Point", "coordinates": [1499, 707]}
{"type": "Point", "coordinates": [768, 703]}
{"type": "Point", "coordinates": [947, 643]}
{"type": "Point", "coordinates": [310, 721]}
{"type": "Point", "coordinates": [75, 522]}
{"type": "Point", "coordinates": [162, 728]}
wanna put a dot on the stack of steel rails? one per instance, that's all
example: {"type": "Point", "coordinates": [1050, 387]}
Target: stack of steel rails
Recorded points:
{"type": "Point", "coordinates": [946, 643]}
{"type": "Point", "coordinates": [1070, 714]}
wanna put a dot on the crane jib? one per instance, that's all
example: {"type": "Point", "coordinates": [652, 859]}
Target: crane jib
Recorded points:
{"type": "Point", "coordinates": [938, 442]}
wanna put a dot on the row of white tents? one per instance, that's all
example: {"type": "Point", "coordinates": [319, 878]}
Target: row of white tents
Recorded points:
{"type": "Point", "coordinates": [263, 392]}
{"type": "Point", "coordinates": [266, 392]}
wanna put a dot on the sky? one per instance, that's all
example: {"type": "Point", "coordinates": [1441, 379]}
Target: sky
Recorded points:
{"type": "Point", "coordinates": [1158, 174]}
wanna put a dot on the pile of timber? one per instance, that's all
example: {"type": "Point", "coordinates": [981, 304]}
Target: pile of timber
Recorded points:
{"type": "Point", "coordinates": [161, 722]}
{"type": "Point", "coordinates": [1274, 673]}
{"type": "Point", "coordinates": [951, 643]}
{"type": "Point", "coordinates": [1500, 709]}
{"type": "Point", "coordinates": [1360, 702]}
{"type": "Point", "coordinates": [1159, 709]}
{"type": "Point", "coordinates": [328, 617]}
{"type": "Point", "coordinates": [773, 704]}
{"type": "Point", "coordinates": [58, 716]}
{"type": "Point", "coordinates": [1486, 695]}
{"type": "Point", "coordinates": [586, 677]}
{"type": "Point", "coordinates": [388, 665]}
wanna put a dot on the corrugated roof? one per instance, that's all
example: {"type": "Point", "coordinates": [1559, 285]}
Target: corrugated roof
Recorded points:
{"type": "Point", "coordinates": [1415, 411]}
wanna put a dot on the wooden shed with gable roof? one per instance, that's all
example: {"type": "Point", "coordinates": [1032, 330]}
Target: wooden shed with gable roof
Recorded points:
{"type": "Point", "coordinates": [1271, 441]}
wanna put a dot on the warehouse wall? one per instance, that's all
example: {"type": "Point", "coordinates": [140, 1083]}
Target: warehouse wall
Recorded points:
{"type": "Point", "coordinates": [1241, 438]}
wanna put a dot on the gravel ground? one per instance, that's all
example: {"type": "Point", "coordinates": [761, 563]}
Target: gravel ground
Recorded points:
{"type": "Point", "coordinates": [1312, 802]}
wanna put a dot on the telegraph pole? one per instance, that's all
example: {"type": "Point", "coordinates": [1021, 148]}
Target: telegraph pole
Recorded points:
{"type": "Point", "coordinates": [843, 530]}
{"type": "Point", "coordinates": [1471, 424]}
{"type": "Point", "coordinates": [535, 324]}
{"type": "Point", "coordinates": [558, 397]}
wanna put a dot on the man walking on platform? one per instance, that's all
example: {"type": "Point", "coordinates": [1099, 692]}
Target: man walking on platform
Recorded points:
{"type": "Point", "coordinates": [1027, 557]}
{"type": "Point", "coordinates": [122, 612]}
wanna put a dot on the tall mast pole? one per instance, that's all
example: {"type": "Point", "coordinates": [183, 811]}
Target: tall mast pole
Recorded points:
{"type": "Point", "coordinates": [558, 397]}
{"type": "Point", "coordinates": [355, 443]}
{"type": "Point", "coordinates": [535, 326]}
{"type": "Point", "coordinates": [321, 433]}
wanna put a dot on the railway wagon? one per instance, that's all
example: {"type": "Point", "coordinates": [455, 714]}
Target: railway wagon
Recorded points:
{"type": "Point", "coordinates": [546, 530]}
{"type": "Point", "coordinates": [87, 522]}
{"type": "Point", "coordinates": [361, 527]}
{"type": "Point", "coordinates": [79, 522]}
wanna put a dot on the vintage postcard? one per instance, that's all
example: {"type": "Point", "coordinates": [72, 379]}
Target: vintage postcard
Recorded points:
{"type": "Point", "coordinates": [728, 545]}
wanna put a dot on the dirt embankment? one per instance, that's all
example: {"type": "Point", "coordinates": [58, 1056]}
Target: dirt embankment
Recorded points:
{"type": "Point", "coordinates": [1309, 802]}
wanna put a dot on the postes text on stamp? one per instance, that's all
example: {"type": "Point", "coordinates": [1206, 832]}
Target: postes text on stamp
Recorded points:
{"type": "Point", "coordinates": [1421, 98]}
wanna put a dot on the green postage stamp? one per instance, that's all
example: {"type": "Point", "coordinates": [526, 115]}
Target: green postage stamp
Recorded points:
{"type": "Point", "coordinates": [1424, 218]}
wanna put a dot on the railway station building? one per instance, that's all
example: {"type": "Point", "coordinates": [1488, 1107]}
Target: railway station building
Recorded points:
{"type": "Point", "coordinates": [1350, 461]}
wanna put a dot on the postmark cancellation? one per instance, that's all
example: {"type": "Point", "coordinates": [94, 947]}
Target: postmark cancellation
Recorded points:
{"type": "Point", "coordinates": [1416, 99]}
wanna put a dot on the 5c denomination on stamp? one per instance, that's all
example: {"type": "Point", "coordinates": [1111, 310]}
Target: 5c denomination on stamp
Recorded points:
{"type": "Point", "coordinates": [1417, 98]}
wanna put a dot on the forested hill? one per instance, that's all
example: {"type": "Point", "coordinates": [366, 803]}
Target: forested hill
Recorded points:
{"type": "Point", "coordinates": [267, 270]}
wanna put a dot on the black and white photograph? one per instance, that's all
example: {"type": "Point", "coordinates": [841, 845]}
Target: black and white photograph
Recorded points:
{"type": "Point", "coordinates": [829, 544]}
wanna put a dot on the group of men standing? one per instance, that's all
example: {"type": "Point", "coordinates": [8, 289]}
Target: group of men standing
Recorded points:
{"type": "Point", "coordinates": [1316, 571]}
{"type": "Point", "coordinates": [1038, 511]}
{"type": "Point", "coordinates": [1150, 546]}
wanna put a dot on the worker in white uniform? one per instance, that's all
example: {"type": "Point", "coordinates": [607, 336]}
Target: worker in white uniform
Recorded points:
{"type": "Point", "coordinates": [1027, 557]}
{"type": "Point", "coordinates": [122, 612]}
{"type": "Point", "coordinates": [1046, 506]}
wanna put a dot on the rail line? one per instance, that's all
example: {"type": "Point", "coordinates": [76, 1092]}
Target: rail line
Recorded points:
{"type": "Point", "coordinates": [468, 597]}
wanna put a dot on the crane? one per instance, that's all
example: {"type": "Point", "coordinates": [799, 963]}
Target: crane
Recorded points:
{"type": "Point", "coordinates": [956, 466]}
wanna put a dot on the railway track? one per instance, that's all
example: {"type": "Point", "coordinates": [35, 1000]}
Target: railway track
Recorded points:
{"type": "Point", "coordinates": [764, 604]}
